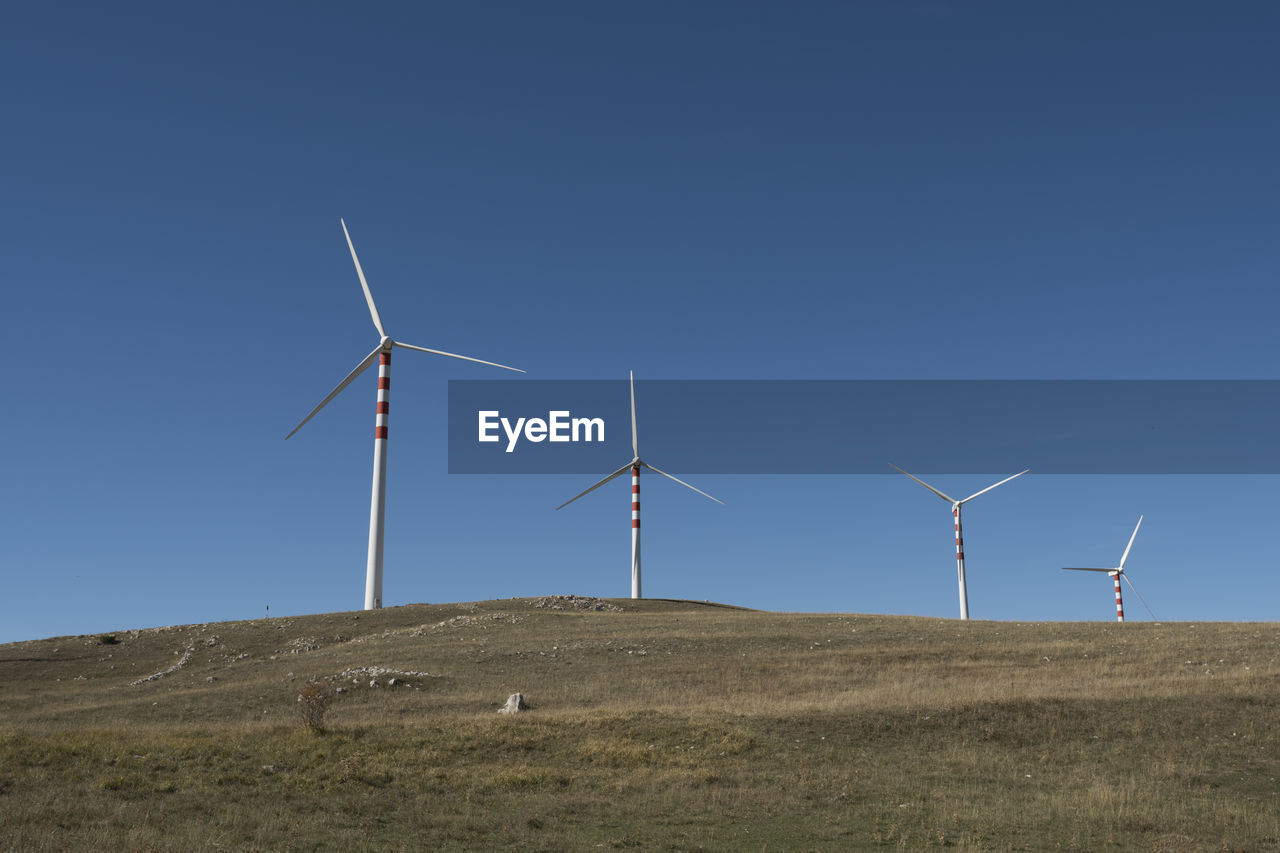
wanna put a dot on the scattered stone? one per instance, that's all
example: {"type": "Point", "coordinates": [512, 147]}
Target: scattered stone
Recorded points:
{"type": "Point", "coordinates": [186, 656]}
{"type": "Point", "coordinates": [211, 679]}
{"type": "Point", "coordinates": [464, 620]}
{"type": "Point", "coordinates": [356, 673]}
{"type": "Point", "coordinates": [515, 704]}
{"type": "Point", "coordinates": [374, 683]}
{"type": "Point", "coordinates": [575, 602]}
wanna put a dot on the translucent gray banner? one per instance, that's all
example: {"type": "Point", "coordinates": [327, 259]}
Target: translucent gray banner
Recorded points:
{"type": "Point", "coordinates": [859, 426]}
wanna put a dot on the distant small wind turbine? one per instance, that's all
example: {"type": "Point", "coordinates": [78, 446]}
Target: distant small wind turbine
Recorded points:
{"type": "Point", "coordinates": [635, 465]}
{"type": "Point", "coordinates": [377, 509]}
{"type": "Point", "coordinates": [955, 510]}
{"type": "Point", "coordinates": [1117, 573]}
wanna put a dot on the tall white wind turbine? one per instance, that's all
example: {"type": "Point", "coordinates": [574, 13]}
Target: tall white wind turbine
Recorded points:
{"type": "Point", "coordinates": [378, 502]}
{"type": "Point", "coordinates": [635, 465]}
{"type": "Point", "coordinates": [955, 511]}
{"type": "Point", "coordinates": [1118, 572]}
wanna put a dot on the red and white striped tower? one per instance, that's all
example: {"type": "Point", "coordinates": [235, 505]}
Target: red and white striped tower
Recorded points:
{"type": "Point", "coordinates": [635, 531]}
{"type": "Point", "coordinates": [378, 501]}
{"type": "Point", "coordinates": [964, 593]}
{"type": "Point", "coordinates": [1116, 574]}
{"type": "Point", "coordinates": [955, 511]}
{"type": "Point", "coordinates": [635, 465]}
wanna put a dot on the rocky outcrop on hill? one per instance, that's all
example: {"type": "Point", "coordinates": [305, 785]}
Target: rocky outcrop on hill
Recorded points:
{"type": "Point", "coordinates": [575, 602]}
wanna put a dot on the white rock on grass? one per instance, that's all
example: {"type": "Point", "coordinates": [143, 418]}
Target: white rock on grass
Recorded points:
{"type": "Point", "coordinates": [515, 704]}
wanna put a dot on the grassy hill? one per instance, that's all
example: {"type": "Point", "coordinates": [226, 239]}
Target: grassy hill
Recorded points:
{"type": "Point", "coordinates": [655, 725]}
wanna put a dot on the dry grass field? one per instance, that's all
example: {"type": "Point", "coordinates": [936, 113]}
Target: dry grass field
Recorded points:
{"type": "Point", "coordinates": [654, 725]}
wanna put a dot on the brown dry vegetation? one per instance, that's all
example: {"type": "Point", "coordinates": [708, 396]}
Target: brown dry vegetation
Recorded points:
{"type": "Point", "coordinates": [667, 726]}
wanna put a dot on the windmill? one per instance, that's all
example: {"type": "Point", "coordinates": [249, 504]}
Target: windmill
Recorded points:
{"type": "Point", "coordinates": [1117, 573]}
{"type": "Point", "coordinates": [635, 465]}
{"type": "Point", "coordinates": [378, 502]}
{"type": "Point", "coordinates": [955, 510]}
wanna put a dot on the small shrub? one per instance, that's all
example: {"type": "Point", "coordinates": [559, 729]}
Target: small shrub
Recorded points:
{"type": "Point", "coordinates": [108, 640]}
{"type": "Point", "coordinates": [116, 783]}
{"type": "Point", "coordinates": [315, 700]}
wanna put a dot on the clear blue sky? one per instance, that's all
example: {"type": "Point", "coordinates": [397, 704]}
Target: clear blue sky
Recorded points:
{"type": "Point", "coordinates": [690, 190]}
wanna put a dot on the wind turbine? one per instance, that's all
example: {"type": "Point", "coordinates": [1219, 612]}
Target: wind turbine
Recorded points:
{"type": "Point", "coordinates": [1117, 573]}
{"type": "Point", "coordinates": [955, 510]}
{"type": "Point", "coordinates": [635, 465]}
{"type": "Point", "coordinates": [378, 502]}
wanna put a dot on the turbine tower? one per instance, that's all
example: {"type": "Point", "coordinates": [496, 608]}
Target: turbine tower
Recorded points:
{"type": "Point", "coordinates": [1117, 573]}
{"type": "Point", "coordinates": [635, 465]}
{"type": "Point", "coordinates": [378, 501]}
{"type": "Point", "coordinates": [955, 511]}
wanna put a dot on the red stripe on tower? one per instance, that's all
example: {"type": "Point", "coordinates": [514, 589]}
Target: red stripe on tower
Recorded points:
{"type": "Point", "coordinates": [635, 495]}
{"type": "Point", "coordinates": [384, 396]}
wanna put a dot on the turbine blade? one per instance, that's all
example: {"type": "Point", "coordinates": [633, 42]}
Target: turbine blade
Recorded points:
{"type": "Point", "coordinates": [1130, 545]}
{"type": "Point", "coordinates": [1140, 598]}
{"type": "Point", "coordinates": [681, 482]}
{"type": "Point", "coordinates": [635, 442]}
{"type": "Point", "coordinates": [989, 488]}
{"type": "Point", "coordinates": [617, 473]}
{"type": "Point", "coordinates": [360, 368]}
{"type": "Point", "coordinates": [1083, 569]}
{"type": "Point", "coordinates": [368, 294]}
{"type": "Point", "coordinates": [942, 495]}
{"type": "Point", "coordinates": [455, 355]}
